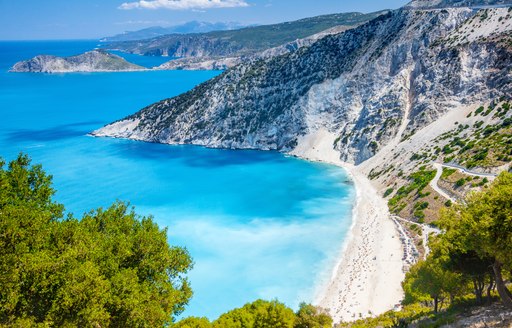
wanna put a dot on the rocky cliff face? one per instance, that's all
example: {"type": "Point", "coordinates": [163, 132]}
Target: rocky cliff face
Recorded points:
{"type": "Point", "coordinates": [379, 82]}
{"type": "Point", "coordinates": [241, 42]}
{"type": "Point", "coordinates": [92, 61]}
{"type": "Point", "coordinates": [429, 4]}
{"type": "Point", "coordinates": [223, 63]}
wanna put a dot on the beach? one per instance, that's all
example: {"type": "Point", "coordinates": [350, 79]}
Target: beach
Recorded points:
{"type": "Point", "coordinates": [367, 278]}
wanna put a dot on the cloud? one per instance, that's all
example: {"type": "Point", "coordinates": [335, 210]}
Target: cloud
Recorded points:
{"type": "Point", "coordinates": [183, 4]}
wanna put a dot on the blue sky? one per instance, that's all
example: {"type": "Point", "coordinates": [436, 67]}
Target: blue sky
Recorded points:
{"type": "Point", "coordinates": [91, 19]}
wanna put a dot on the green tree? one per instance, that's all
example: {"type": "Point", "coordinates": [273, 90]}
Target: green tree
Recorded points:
{"type": "Point", "coordinates": [259, 314]}
{"type": "Point", "coordinates": [193, 322]}
{"type": "Point", "coordinates": [472, 267]}
{"type": "Point", "coordinates": [310, 316]}
{"type": "Point", "coordinates": [428, 279]}
{"type": "Point", "coordinates": [111, 268]}
{"type": "Point", "coordinates": [484, 225]}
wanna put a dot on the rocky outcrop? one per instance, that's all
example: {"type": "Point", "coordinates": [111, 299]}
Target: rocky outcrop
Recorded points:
{"type": "Point", "coordinates": [92, 61]}
{"type": "Point", "coordinates": [379, 82]}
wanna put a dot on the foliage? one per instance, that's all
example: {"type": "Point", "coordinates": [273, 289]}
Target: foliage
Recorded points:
{"type": "Point", "coordinates": [418, 181]}
{"type": "Point", "coordinates": [447, 172]}
{"type": "Point", "coordinates": [484, 222]}
{"type": "Point", "coordinates": [388, 192]}
{"type": "Point", "coordinates": [408, 314]}
{"type": "Point", "coordinates": [429, 280]}
{"type": "Point", "coordinates": [259, 314]}
{"type": "Point", "coordinates": [193, 322]}
{"type": "Point", "coordinates": [460, 182]}
{"type": "Point", "coordinates": [264, 314]}
{"type": "Point", "coordinates": [309, 316]}
{"type": "Point", "coordinates": [111, 268]}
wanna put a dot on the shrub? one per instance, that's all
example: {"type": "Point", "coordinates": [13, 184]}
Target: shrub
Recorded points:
{"type": "Point", "coordinates": [388, 192]}
{"type": "Point", "coordinates": [460, 182]}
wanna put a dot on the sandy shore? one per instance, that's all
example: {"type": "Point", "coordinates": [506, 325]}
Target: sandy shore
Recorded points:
{"type": "Point", "coordinates": [367, 278]}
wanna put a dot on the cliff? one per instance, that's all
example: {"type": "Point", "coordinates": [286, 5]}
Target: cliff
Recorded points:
{"type": "Point", "coordinates": [222, 63]}
{"type": "Point", "coordinates": [92, 61]}
{"type": "Point", "coordinates": [370, 85]}
{"type": "Point", "coordinates": [241, 42]}
{"type": "Point", "coordinates": [433, 4]}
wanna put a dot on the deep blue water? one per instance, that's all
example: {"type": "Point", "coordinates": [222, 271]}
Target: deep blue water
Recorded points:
{"type": "Point", "coordinates": [258, 224]}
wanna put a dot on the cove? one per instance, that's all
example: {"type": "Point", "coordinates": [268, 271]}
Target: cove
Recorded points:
{"type": "Point", "coordinates": [257, 224]}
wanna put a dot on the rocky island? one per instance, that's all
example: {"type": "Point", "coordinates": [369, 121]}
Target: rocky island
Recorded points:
{"type": "Point", "coordinates": [91, 61]}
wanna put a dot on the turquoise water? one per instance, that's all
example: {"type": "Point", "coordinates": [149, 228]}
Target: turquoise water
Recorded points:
{"type": "Point", "coordinates": [258, 224]}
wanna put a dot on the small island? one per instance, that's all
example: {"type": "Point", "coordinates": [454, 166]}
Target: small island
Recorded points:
{"type": "Point", "coordinates": [91, 61]}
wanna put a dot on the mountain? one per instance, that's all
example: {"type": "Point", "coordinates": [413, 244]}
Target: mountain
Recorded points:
{"type": "Point", "coordinates": [92, 61]}
{"type": "Point", "coordinates": [370, 86]}
{"type": "Point", "coordinates": [222, 63]}
{"type": "Point", "coordinates": [431, 4]}
{"type": "Point", "coordinates": [241, 42]}
{"type": "Point", "coordinates": [186, 28]}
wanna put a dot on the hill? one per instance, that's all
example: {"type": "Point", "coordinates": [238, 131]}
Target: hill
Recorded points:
{"type": "Point", "coordinates": [239, 42]}
{"type": "Point", "coordinates": [92, 61]}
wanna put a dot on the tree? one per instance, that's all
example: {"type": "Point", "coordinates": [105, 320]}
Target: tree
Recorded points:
{"type": "Point", "coordinates": [310, 316]}
{"type": "Point", "coordinates": [193, 322]}
{"type": "Point", "coordinates": [472, 267]}
{"type": "Point", "coordinates": [111, 268]}
{"type": "Point", "coordinates": [429, 278]}
{"type": "Point", "coordinates": [484, 225]}
{"type": "Point", "coordinates": [259, 314]}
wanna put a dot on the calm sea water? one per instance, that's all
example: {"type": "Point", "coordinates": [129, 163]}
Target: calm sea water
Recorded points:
{"type": "Point", "coordinates": [258, 224]}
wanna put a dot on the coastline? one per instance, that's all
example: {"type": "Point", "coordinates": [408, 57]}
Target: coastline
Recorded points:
{"type": "Point", "coordinates": [366, 279]}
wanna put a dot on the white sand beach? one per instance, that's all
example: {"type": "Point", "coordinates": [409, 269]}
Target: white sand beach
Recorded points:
{"type": "Point", "coordinates": [367, 279]}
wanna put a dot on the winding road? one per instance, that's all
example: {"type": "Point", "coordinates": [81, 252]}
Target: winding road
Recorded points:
{"type": "Point", "coordinates": [466, 171]}
{"type": "Point", "coordinates": [434, 185]}
{"type": "Point", "coordinates": [439, 168]}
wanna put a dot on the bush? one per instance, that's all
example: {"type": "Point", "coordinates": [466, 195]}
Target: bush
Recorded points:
{"type": "Point", "coordinates": [460, 182]}
{"type": "Point", "coordinates": [388, 192]}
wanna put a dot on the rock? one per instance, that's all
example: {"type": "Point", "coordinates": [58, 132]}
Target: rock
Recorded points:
{"type": "Point", "coordinates": [92, 61]}
{"type": "Point", "coordinates": [431, 4]}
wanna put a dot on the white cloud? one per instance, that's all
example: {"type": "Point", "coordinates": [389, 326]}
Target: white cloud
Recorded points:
{"type": "Point", "coordinates": [183, 4]}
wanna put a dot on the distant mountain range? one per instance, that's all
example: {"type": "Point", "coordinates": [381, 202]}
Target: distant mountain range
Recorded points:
{"type": "Point", "coordinates": [241, 42]}
{"type": "Point", "coordinates": [186, 28]}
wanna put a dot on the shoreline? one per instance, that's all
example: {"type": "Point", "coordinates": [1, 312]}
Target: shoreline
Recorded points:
{"type": "Point", "coordinates": [366, 279]}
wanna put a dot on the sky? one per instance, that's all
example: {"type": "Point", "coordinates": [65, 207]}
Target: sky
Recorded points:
{"type": "Point", "coordinates": [93, 19]}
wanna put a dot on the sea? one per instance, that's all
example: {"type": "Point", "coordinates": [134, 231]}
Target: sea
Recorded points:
{"type": "Point", "coordinates": [257, 224]}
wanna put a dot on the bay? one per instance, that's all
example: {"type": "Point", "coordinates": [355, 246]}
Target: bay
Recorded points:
{"type": "Point", "coordinates": [258, 224]}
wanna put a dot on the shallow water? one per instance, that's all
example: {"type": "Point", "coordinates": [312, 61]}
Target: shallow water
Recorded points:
{"type": "Point", "coordinates": [258, 224]}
